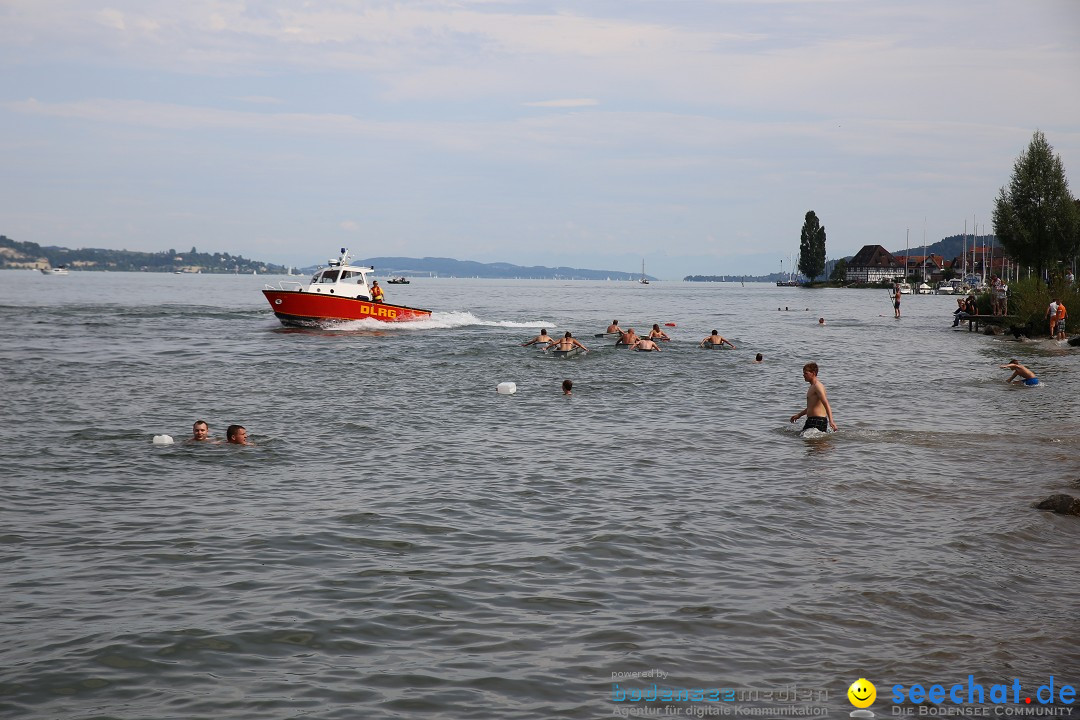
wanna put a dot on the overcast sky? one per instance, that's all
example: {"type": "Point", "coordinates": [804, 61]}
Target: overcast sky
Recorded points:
{"type": "Point", "coordinates": [695, 134]}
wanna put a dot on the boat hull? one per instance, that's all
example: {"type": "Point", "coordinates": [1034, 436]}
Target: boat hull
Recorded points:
{"type": "Point", "coordinates": [297, 308]}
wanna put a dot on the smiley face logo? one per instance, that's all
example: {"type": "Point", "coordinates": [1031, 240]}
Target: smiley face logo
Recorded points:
{"type": "Point", "coordinates": [862, 693]}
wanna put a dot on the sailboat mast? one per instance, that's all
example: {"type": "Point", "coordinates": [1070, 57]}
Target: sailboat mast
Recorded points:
{"type": "Point", "coordinates": [964, 264]}
{"type": "Point", "coordinates": [924, 250]}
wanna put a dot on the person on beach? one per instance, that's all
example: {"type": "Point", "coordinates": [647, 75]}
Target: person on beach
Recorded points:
{"type": "Point", "coordinates": [997, 295]}
{"type": "Point", "coordinates": [543, 337]}
{"type": "Point", "coordinates": [236, 435]}
{"type": "Point", "coordinates": [645, 345]}
{"type": "Point", "coordinates": [613, 327]}
{"type": "Point", "coordinates": [1019, 371]}
{"type": "Point", "coordinates": [200, 432]}
{"type": "Point", "coordinates": [568, 342]}
{"type": "Point", "coordinates": [896, 300]}
{"type": "Point", "coordinates": [1061, 315]}
{"type": "Point", "coordinates": [567, 387]}
{"type": "Point", "coordinates": [657, 334]}
{"type": "Point", "coordinates": [960, 312]}
{"type": "Point", "coordinates": [716, 339]}
{"type": "Point", "coordinates": [1051, 315]}
{"type": "Point", "coordinates": [818, 412]}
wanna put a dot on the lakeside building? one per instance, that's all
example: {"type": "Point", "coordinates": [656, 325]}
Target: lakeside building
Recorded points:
{"type": "Point", "coordinates": [873, 264]}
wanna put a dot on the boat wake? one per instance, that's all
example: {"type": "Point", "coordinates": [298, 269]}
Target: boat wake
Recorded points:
{"type": "Point", "coordinates": [441, 321]}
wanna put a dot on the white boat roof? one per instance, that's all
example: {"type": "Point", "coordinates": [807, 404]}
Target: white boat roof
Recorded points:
{"type": "Point", "coordinates": [342, 263]}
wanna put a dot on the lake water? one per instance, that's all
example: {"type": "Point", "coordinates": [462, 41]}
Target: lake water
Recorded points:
{"type": "Point", "coordinates": [405, 542]}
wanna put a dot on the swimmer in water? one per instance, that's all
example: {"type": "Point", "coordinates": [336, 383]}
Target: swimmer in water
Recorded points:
{"type": "Point", "coordinates": [645, 345]}
{"type": "Point", "coordinates": [657, 334]}
{"type": "Point", "coordinates": [1019, 371]}
{"type": "Point", "coordinates": [716, 339]}
{"type": "Point", "coordinates": [200, 432]}
{"type": "Point", "coordinates": [237, 435]}
{"type": "Point", "coordinates": [568, 342]}
{"type": "Point", "coordinates": [543, 337]}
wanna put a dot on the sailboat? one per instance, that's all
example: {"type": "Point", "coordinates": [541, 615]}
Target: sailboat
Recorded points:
{"type": "Point", "coordinates": [644, 280]}
{"type": "Point", "coordinates": [791, 281]}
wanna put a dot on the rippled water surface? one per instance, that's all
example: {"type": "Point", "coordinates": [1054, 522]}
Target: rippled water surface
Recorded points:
{"type": "Point", "coordinates": [404, 542]}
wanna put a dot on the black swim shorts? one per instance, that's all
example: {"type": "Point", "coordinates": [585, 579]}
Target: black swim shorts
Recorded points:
{"type": "Point", "coordinates": [816, 422]}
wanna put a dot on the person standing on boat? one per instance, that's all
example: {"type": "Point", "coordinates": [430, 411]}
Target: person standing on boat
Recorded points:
{"type": "Point", "coordinates": [376, 292]}
{"type": "Point", "coordinates": [717, 339]}
{"type": "Point", "coordinates": [542, 337]}
{"type": "Point", "coordinates": [657, 334]}
{"type": "Point", "coordinates": [896, 300]}
{"type": "Point", "coordinates": [818, 412]}
{"type": "Point", "coordinates": [568, 342]}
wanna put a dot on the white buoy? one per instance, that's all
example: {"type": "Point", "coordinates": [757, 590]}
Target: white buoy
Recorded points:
{"type": "Point", "coordinates": [506, 388]}
{"type": "Point", "coordinates": [163, 440]}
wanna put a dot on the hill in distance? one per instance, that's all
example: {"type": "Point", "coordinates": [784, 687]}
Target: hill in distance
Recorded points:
{"type": "Point", "coordinates": [15, 254]}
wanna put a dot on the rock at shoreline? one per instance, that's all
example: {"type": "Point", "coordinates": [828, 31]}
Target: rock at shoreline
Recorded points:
{"type": "Point", "coordinates": [993, 330]}
{"type": "Point", "coordinates": [1061, 504]}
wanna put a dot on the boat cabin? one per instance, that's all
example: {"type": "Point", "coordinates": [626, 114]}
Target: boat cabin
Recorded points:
{"type": "Point", "coordinates": [340, 278]}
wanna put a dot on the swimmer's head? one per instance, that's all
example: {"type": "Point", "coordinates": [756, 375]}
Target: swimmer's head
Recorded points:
{"type": "Point", "coordinates": [821, 321]}
{"type": "Point", "coordinates": [568, 334]}
{"type": "Point", "coordinates": [759, 358]}
{"type": "Point", "coordinates": [200, 430]}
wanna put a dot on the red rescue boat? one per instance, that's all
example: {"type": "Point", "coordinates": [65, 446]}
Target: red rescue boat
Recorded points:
{"type": "Point", "coordinates": [337, 293]}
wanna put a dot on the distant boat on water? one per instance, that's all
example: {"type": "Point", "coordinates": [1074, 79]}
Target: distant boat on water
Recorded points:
{"type": "Point", "coordinates": [58, 270]}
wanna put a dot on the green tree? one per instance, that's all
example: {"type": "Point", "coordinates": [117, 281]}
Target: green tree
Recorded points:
{"type": "Point", "coordinates": [839, 271]}
{"type": "Point", "coordinates": [1036, 217]}
{"type": "Point", "coordinates": [812, 247]}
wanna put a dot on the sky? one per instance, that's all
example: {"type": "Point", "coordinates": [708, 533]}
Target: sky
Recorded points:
{"type": "Point", "coordinates": [692, 134]}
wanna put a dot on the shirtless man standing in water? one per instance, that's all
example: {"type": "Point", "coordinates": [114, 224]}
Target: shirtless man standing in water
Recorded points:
{"type": "Point", "coordinates": [818, 411]}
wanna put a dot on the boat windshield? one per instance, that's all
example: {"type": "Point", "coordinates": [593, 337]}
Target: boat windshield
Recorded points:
{"type": "Point", "coordinates": [329, 276]}
{"type": "Point", "coordinates": [352, 276]}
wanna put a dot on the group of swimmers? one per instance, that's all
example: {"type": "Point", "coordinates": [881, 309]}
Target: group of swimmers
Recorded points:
{"type": "Point", "coordinates": [624, 338]}
{"type": "Point", "coordinates": [234, 435]}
